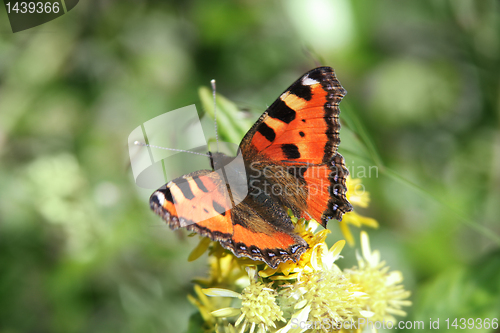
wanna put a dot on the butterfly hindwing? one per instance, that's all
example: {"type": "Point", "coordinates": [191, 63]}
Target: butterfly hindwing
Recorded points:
{"type": "Point", "coordinates": [265, 232]}
{"type": "Point", "coordinates": [309, 190]}
{"type": "Point", "coordinates": [326, 190]}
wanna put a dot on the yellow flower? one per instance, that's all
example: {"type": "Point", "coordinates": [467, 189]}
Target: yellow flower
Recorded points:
{"type": "Point", "coordinates": [290, 270]}
{"type": "Point", "coordinates": [258, 310]}
{"type": "Point", "coordinates": [324, 297]}
{"type": "Point", "coordinates": [385, 294]}
{"type": "Point", "coordinates": [324, 259]}
{"type": "Point", "coordinates": [356, 193]}
{"type": "Point", "coordinates": [206, 307]}
{"type": "Point", "coordinates": [330, 297]}
{"type": "Point", "coordinates": [225, 268]}
{"type": "Point", "coordinates": [357, 196]}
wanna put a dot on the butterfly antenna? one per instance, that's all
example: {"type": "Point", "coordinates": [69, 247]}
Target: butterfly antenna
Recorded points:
{"type": "Point", "coordinates": [137, 143]}
{"type": "Point", "coordinates": [215, 114]}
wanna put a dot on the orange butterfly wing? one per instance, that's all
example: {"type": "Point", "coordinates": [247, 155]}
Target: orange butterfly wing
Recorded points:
{"type": "Point", "coordinates": [326, 190]}
{"type": "Point", "coordinates": [299, 131]}
{"type": "Point", "coordinates": [201, 202]}
{"type": "Point", "coordinates": [197, 198]}
{"type": "Point", "coordinates": [302, 124]}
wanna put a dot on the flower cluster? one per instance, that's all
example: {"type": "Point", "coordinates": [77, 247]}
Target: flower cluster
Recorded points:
{"type": "Point", "coordinates": [311, 295]}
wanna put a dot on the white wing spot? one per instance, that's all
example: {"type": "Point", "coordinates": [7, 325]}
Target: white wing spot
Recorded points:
{"type": "Point", "coordinates": [307, 81]}
{"type": "Point", "coordinates": [160, 197]}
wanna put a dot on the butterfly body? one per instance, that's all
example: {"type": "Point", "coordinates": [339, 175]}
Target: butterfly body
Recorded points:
{"type": "Point", "coordinates": [288, 160]}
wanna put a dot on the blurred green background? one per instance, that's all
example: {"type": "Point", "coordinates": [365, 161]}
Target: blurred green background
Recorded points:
{"type": "Point", "coordinates": [81, 252]}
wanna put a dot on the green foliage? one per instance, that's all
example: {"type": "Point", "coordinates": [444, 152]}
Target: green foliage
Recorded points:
{"type": "Point", "coordinates": [465, 292]}
{"type": "Point", "coordinates": [79, 248]}
{"type": "Point", "coordinates": [231, 123]}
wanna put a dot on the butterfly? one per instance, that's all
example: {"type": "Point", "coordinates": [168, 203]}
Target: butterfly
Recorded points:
{"type": "Point", "coordinates": [289, 160]}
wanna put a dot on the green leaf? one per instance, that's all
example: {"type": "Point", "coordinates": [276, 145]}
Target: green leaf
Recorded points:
{"type": "Point", "coordinates": [354, 124]}
{"type": "Point", "coordinates": [195, 324]}
{"type": "Point", "coordinates": [231, 123]}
